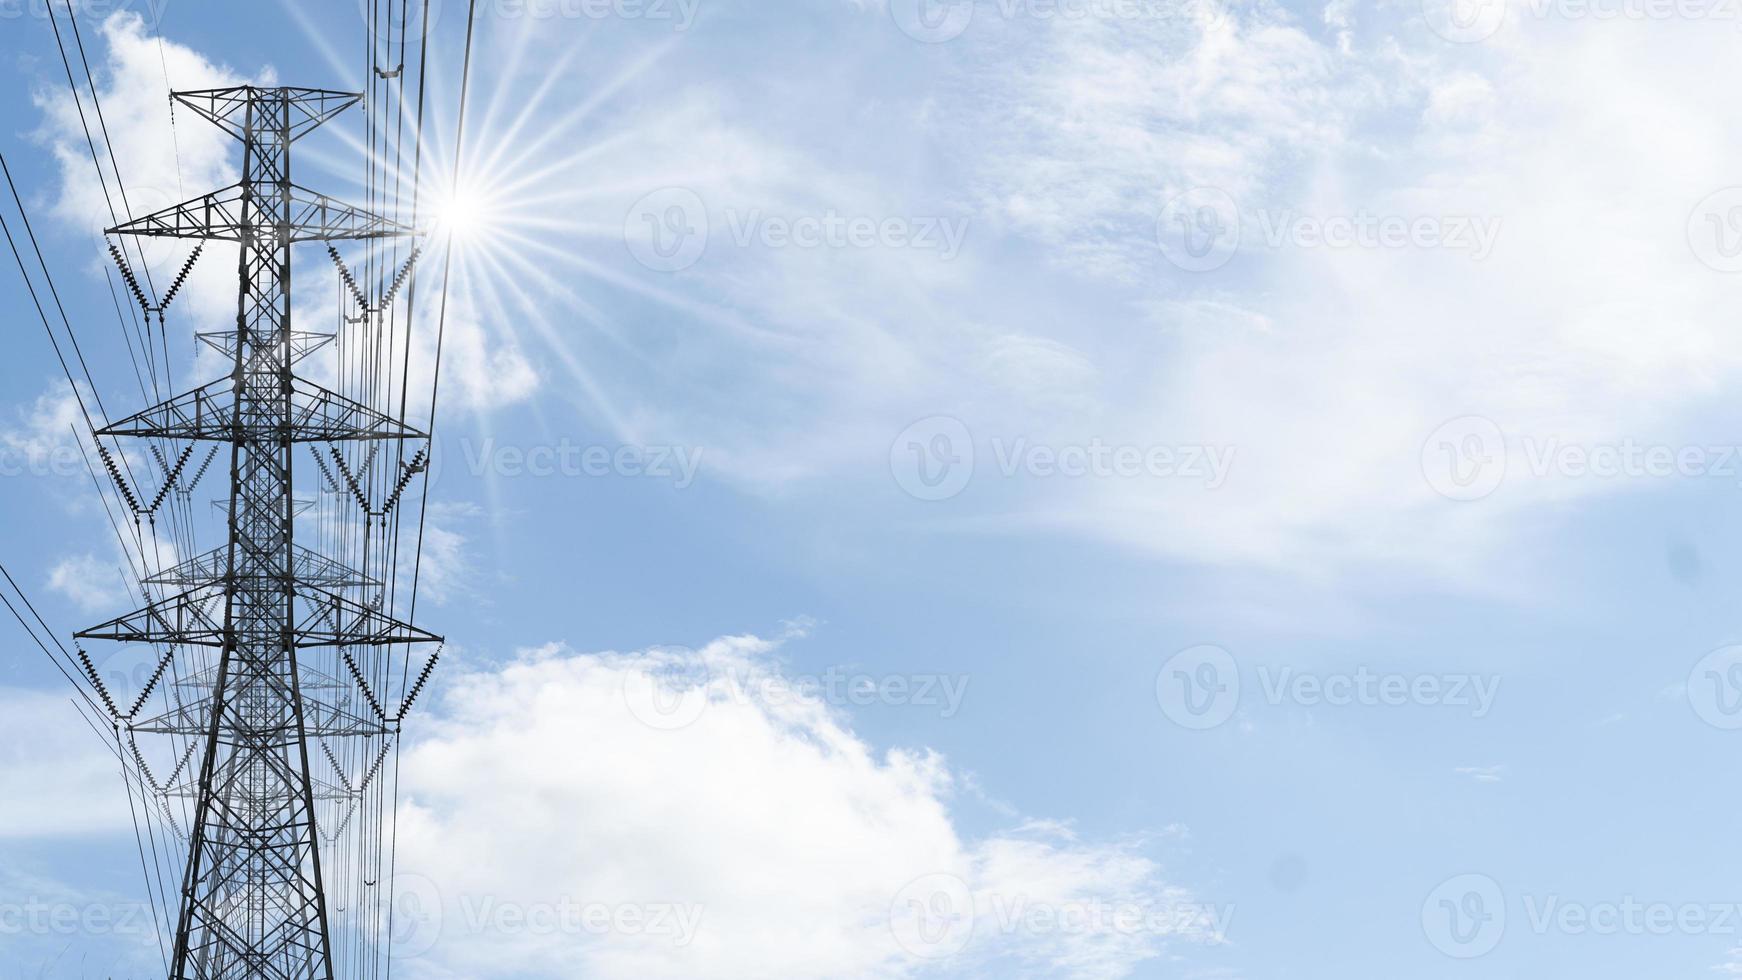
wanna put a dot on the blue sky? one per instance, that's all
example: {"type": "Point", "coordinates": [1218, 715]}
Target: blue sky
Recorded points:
{"type": "Point", "coordinates": [1084, 361]}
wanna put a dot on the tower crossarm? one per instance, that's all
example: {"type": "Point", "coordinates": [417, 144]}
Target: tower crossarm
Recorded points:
{"type": "Point", "coordinates": [307, 108]}
{"type": "Point", "coordinates": [316, 414]}
{"type": "Point", "coordinates": [193, 618]}
{"type": "Point", "coordinates": [310, 567]}
{"type": "Point", "coordinates": [221, 216]}
{"type": "Point", "coordinates": [321, 718]}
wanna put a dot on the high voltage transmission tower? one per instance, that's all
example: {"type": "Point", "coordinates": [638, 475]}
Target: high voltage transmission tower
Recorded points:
{"type": "Point", "coordinates": [270, 647]}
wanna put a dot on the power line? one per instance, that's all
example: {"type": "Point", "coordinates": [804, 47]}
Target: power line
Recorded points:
{"type": "Point", "coordinates": [266, 643]}
{"type": "Point", "coordinates": [259, 601]}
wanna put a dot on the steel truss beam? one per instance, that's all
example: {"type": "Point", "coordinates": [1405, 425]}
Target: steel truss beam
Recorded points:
{"type": "Point", "coordinates": [210, 413]}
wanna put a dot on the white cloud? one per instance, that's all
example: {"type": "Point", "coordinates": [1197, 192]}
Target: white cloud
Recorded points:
{"type": "Point", "coordinates": [51, 924]}
{"type": "Point", "coordinates": [1328, 368]}
{"type": "Point", "coordinates": [1482, 774]}
{"type": "Point", "coordinates": [483, 365]}
{"type": "Point", "coordinates": [540, 781]}
{"type": "Point", "coordinates": [39, 440]}
{"type": "Point", "coordinates": [444, 564]}
{"type": "Point", "coordinates": [1107, 119]}
{"type": "Point", "coordinates": [163, 161]}
{"type": "Point", "coordinates": [56, 779]}
{"type": "Point", "coordinates": [93, 584]}
{"type": "Point", "coordinates": [1325, 369]}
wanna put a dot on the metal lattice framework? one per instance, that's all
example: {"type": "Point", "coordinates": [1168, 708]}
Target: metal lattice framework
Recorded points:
{"type": "Point", "coordinates": [281, 624]}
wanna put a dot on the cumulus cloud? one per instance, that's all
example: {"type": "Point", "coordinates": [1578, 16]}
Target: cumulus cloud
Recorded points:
{"type": "Point", "coordinates": [93, 584]}
{"type": "Point", "coordinates": [56, 779]}
{"type": "Point", "coordinates": [483, 365]}
{"type": "Point", "coordinates": [676, 785]}
{"type": "Point", "coordinates": [169, 160]}
{"type": "Point", "coordinates": [166, 161]}
{"type": "Point", "coordinates": [38, 440]}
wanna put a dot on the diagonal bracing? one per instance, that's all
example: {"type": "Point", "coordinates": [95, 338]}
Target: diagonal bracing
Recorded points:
{"type": "Point", "coordinates": [253, 901]}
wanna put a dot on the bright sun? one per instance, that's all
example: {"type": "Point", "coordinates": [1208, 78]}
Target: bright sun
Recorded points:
{"type": "Point", "coordinates": [460, 215]}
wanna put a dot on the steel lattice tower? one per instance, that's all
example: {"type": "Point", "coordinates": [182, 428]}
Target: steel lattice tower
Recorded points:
{"type": "Point", "coordinates": [252, 901]}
